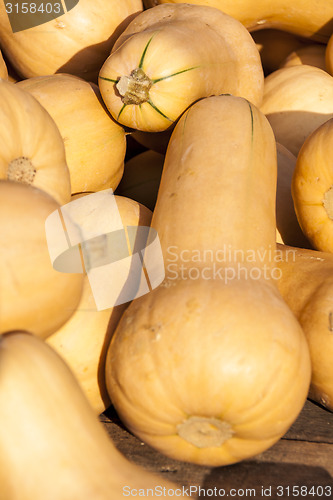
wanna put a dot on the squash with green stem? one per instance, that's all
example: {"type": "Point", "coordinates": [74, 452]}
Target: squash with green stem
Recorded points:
{"type": "Point", "coordinates": [160, 65]}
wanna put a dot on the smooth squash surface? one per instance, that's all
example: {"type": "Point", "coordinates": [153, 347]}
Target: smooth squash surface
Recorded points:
{"type": "Point", "coordinates": [306, 284]}
{"type": "Point", "coordinates": [31, 148]}
{"type": "Point", "coordinates": [77, 42]}
{"type": "Point", "coordinates": [95, 145]}
{"type": "Point", "coordinates": [297, 100]}
{"type": "Point", "coordinates": [302, 17]}
{"type": "Point", "coordinates": [33, 296]}
{"type": "Point", "coordinates": [158, 67]}
{"type": "Point", "coordinates": [52, 445]}
{"type": "Point", "coordinates": [84, 339]}
{"type": "Point", "coordinates": [312, 187]}
{"type": "Point", "coordinates": [194, 367]}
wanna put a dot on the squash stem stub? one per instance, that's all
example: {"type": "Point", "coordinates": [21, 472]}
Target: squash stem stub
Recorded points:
{"type": "Point", "coordinates": [205, 432]}
{"type": "Point", "coordinates": [21, 170]}
{"type": "Point", "coordinates": [328, 202]}
{"type": "Point", "coordinates": [134, 88]}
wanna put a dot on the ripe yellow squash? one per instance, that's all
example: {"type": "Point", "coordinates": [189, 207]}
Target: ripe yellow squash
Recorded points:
{"type": "Point", "coordinates": [83, 340]}
{"type": "Point", "coordinates": [297, 100]}
{"type": "Point", "coordinates": [52, 445]}
{"type": "Point", "coordinates": [313, 55]}
{"type": "Point", "coordinates": [305, 18]}
{"type": "Point", "coordinates": [160, 65]}
{"type": "Point", "coordinates": [31, 148]}
{"type": "Point", "coordinates": [306, 284]}
{"type": "Point", "coordinates": [194, 367]}
{"type": "Point", "coordinates": [95, 145]}
{"type": "Point", "coordinates": [33, 296]}
{"type": "Point", "coordinates": [142, 176]}
{"type": "Point", "coordinates": [77, 42]}
{"type": "Point", "coordinates": [312, 187]}
{"type": "Point", "coordinates": [288, 230]}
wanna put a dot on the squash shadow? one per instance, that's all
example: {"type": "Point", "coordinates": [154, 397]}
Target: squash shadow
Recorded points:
{"type": "Point", "coordinates": [87, 62]}
{"type": "Point", "coordinates": [268, 479]}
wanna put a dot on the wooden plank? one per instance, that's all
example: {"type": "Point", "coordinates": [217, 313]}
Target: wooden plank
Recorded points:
{"type": "Point", "coordinates": [314, 424]}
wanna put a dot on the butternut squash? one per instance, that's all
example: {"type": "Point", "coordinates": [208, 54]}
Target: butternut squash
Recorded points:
{"type": "Point", "coordinates": [158, 68]}
{"type": "Point", "coordinates": [288, 230]}
{"type": "Point", "coordinates": [305, 18]}
{"type": "Point", "coordinates": [297, 100]}
{"type": "Point", "coordinates": [306, 284]}
{"type": "Point", "coordinates": [33, 296]}
{"type": "Point", "coordinates": [52, 445]}
{"type": "Point", "coordinates": [313, 55]}
{"type": "Point", "coordinates": [312, 187]}
{"type": "Point", "coordinates": [31, 148]}
{"type": "Point", "coordinates": [194, 367]}
{"type": "Point", "coordinates": [95, 145]}
{"type": "Point", "coordinates": [83, 340]}
{"type": "Point", "coordinates": [142, 176]}
{"type": "Point", "coordinates": [77, 42]}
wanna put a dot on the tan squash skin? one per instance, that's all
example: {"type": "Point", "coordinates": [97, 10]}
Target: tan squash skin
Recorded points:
{"type": "Point", "coordinates": [33, 296]}
{"type": "Point", "coordinates": [83, 340]}
{"type": "Point", "coordinates": [95, 145]}
{"type": "Point", "coordinates": [194, 367]}
{"type": "Point", "coordinates": [306, 284]}
{"type": "Point", "coordinates": [312, 187]}
{"type": "Point", "coordinates": [172, 68]}
{"type": "Point", "coordinates": [31, 147]}
{"type": "Point", "coordinates": [52, 445]}
{"type": "Point", "coordinates": [77, 42]}
{"type": "Point", "coordinates": [313, 55]}
{"type": "Point", "coordinates": [288, 230]}
{"type": "Point", "coordinates": [303, 17]}
{"type": "Point", "coordinates": [142, 176]}
{"type": "Point", "coordinates": [297, 100]}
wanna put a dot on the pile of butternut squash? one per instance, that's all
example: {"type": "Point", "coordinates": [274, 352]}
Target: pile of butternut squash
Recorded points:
{"type": "Point", "coordinates": [212, 124]}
